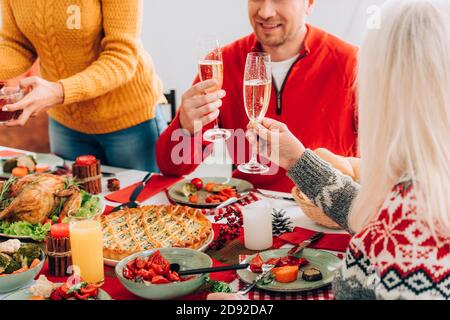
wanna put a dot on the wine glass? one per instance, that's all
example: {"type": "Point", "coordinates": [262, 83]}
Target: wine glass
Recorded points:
{"type": "Point", "coordinates": [9, 95]}
{"type": "Point", "coordinates": [257, 90]}
{"type": "Point", "coordinates": [210, 66]}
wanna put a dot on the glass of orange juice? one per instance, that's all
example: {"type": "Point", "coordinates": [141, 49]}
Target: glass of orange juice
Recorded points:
{"type": "Point", "coordinates": [86, 241]}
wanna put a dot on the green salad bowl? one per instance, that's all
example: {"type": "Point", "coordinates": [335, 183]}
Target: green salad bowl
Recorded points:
{"type": "Point", "coordinates": [12, 282]}
{"type": "Point", "coordinates": [186, 258]}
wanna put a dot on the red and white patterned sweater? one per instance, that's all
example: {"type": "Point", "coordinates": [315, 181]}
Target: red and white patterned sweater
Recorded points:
{"type": "Point", "coordinates": [395, 256]}
{"type": "Point", "coordinates": [397, 253]}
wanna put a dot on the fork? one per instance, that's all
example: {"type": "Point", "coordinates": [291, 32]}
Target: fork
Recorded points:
{"type": "Point", "coordinates": [267, 268]}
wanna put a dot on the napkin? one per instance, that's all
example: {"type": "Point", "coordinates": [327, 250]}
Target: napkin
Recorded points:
{"type": "Point", "coordinates": [330, 241]}
{"type": "Point", "coordinates": [108, 210]}
{"type": "Point", "coordinates": [157, 184]}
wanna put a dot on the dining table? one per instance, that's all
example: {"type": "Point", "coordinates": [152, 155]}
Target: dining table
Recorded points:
{"type": "Point", "coordinates": [129, 177]}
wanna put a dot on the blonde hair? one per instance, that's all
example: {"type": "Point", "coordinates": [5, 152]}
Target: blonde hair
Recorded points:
{"type": "Point", "coordinates": [404, 110]}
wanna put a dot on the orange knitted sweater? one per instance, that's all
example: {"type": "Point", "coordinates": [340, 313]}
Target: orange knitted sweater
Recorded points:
{"type": "Point", "coordinates": [92, 48]}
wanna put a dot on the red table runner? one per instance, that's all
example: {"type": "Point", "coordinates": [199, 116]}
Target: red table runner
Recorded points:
{"type": "Point", "coordinates": [117, 291]}
{"type": "Point", "coordinates": [337, 242]}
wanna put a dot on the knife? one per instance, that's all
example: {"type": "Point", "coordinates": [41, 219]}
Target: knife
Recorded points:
{"type": "Point", "coordinates": [271, 196]}
{"type": "Point", "coordinates": [136, 192]}
{"type": "Point", "coordinates": [298, 248]}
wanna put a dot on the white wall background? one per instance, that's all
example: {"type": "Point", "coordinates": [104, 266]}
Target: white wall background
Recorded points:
{"type": "Point", "coordinates": [172, 27]}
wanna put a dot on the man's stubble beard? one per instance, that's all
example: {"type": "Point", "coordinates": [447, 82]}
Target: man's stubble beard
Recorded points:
{"type": "Point", "coordinates": [279, 42]}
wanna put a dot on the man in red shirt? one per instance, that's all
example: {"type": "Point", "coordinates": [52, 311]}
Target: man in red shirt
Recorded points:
{"type": "Point", "coordinates": [312, 93]}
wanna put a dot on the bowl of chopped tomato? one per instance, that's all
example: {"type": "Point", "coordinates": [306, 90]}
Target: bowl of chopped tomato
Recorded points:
{"type": "Point", "coordinates": [147, 274]}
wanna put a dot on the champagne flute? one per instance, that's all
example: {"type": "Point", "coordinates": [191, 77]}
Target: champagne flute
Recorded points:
{"type": "Point", "coordinates": [210, 66]}
{"type": "Point", "coordinates": [257, 90]}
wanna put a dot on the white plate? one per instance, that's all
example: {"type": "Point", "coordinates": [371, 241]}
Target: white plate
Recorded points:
{"type": "Point", "coordinates": [41, 159]}
{"type": "Point", "coordinates": [24, 294]}
{"type": "Point", "coordinates": [204, 248]}
{"type": "Point", "coordinates": [101, 203]}
{"type": "Point", "coordinates": [23, 153]}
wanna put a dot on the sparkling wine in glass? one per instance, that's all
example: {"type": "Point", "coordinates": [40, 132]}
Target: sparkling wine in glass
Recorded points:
{"type": "Point", "coordinates": [257, 90]}
{"type": "Point", "coordinates": [210, 66]}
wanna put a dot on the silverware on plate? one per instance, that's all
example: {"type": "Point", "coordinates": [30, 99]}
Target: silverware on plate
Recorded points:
{"type": "Point", "coordinates": [267, 268]}
{"type": "Point", "coordinates": [298, 248]}
{"type": "Point", "coordinates": [270, 196]}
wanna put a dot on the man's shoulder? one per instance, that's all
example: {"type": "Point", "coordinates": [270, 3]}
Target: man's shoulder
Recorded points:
{"type": "Point", "coordinates": [240, 46]}
{"type": "Point", "coordinates": [333, 43]}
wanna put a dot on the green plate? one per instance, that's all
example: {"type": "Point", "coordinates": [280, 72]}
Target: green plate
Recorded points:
{"type": "Point", "coordinates": [25, 294]}
{"type": "Point", "coordinates": [186, 258]}
{"type": "Point", "coordinates": [175, 192]}
{"type": "Point", "coordinates": [41, 159]}
{"type": "Point", "coordinates": [12, 282]}
{"type": "Point", "coordinates": [326, 262]}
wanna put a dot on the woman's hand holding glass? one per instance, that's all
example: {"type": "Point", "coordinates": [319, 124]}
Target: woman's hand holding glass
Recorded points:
{"type": "Point", "coordinates": [276, 142]}
{"type": "Point", "coordinates": [42, 95]}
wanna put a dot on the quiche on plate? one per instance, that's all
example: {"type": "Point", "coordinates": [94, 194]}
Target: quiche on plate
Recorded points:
{"type": "Point", "coordinates": [158, 226]}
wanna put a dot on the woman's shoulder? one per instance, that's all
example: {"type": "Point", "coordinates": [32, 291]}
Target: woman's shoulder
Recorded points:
{"type": "Point", "coordinates": [400, 246]}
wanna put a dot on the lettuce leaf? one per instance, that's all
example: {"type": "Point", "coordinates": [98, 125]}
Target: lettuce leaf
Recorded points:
{"type": "Point", "coordinates": [22, 228]}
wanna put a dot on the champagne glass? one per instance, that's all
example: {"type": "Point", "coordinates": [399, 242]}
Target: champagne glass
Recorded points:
{"type": "Point", "coordinates": [210, 66]}
{"type": "Point", "coordinates": [257, 90]}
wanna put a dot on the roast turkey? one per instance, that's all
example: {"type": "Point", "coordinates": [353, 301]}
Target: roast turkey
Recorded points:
{"type": "Point", "coordinates": [34, 197]}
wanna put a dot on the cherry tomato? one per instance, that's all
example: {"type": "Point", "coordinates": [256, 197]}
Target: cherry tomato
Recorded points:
{"type": "Point", "coordinates": [158, 269]}
{"type": "Point", "coordinates": [150, 275]}
{"type": "Point", "coordinates": [60, 230]}
{"type": "Point", "coordinates": [193, 199]}
{"type": "Point", "coordinates": [228, 193]}
{"type": "Point", "coordinates": [132, 266]}
{"type": "Point", "coordinates": [256, 264]}
{"type": "Point", "coordinates": [157, 258]}
{"type": "Point", "coordinates": [198, 183]}
{"type": "Point", "coordinates": [141, 273]}
{"type": "Point", "coordinates": [86, 160]}
{"type": "Point", "coordinates": [63, 289]}
{"type": "Point", "coordinates": [273, 261]}
{"type": "Point", "coordinates": [91, 290]}
{"type": "Point", "coordinates": [128, 274]}
{"type": "Point", "coordinates": [140, 263]}
{"type": "Point", "coordinates": [166, 269]}
{"type": "Point", "coordinates": [210, 186]}
{"type": "Point", "coordinates": [81, 296]}
{"type": "Point", "coordinates": [221, 198]}
{"type": "Point", "coordinates": [56, 295]}
{"type": "Point", "coordinates": [302, 262]}
{"type": "Point", "coordinates": [159, 280]}
{"type": "Point", "coordinates": [187, 278]}
{"type": "Point", "coordinates": [173, 277]}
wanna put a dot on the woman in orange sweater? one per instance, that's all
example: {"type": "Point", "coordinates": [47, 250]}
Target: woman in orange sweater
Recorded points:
{"type": "Point", "coordinates": [98, 83]}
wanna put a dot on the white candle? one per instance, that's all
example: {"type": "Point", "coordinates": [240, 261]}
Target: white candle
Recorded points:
{"type": "Point", "coordinates": [258, 225]}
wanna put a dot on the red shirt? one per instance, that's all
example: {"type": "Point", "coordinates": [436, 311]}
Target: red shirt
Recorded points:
{"type": "Point", "coordinates": [317, 103]}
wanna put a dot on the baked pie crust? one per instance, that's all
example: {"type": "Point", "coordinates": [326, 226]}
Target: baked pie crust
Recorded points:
{"type": "Point", "coordinates": [134, 230]}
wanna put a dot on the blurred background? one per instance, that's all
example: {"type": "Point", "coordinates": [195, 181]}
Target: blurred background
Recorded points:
{"type": "Point", "coordinates": [170, 32]}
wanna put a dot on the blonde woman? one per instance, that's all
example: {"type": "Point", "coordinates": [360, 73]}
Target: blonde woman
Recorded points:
{"type": "Point", "coordinates": [98, 84]}
{"type": "Point", "coordinates": [400, 215]}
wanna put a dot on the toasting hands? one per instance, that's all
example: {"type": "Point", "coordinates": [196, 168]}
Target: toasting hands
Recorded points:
{"type": "Point", "coordinates": [276, 142]}
{"type": "Point", "coordinates": [197, 105]}
{"type": "Point", "coordinates": [42, 95]}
